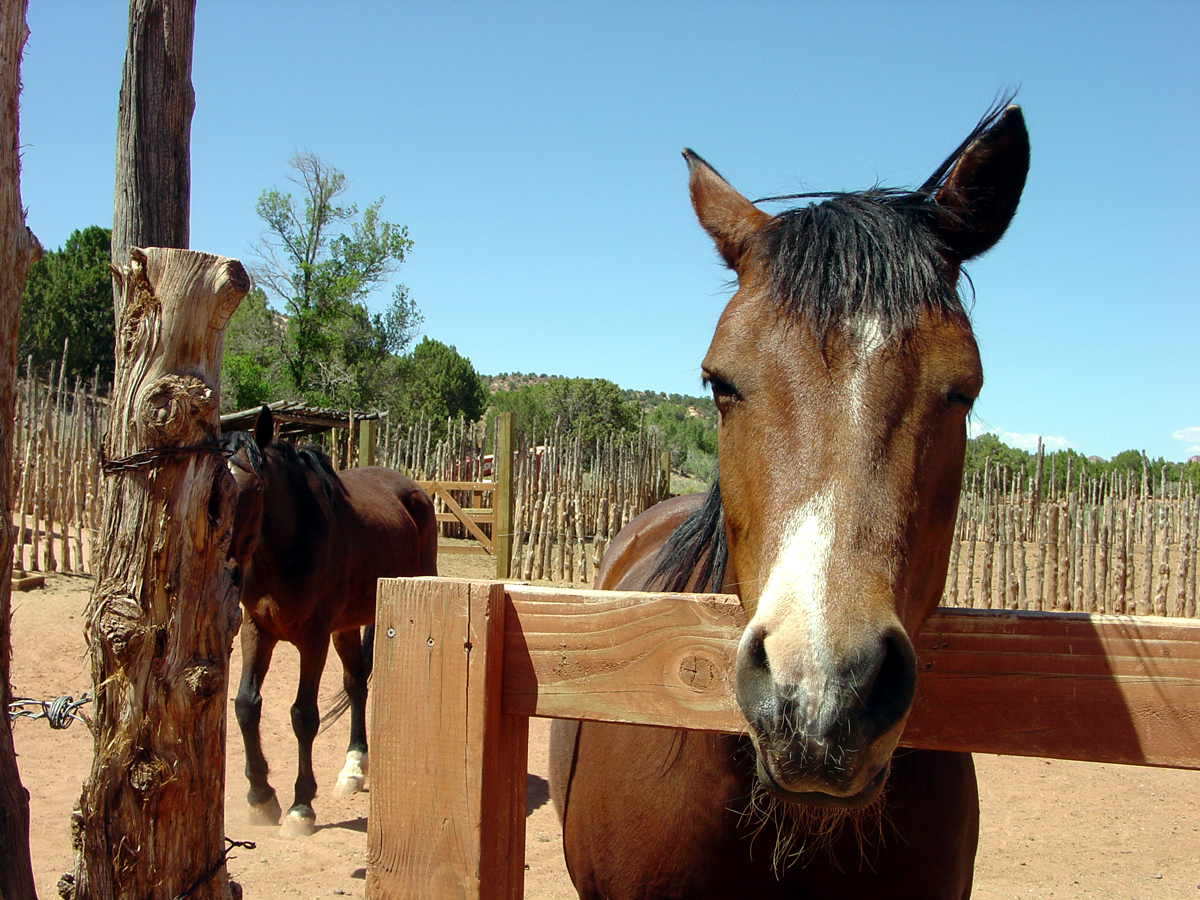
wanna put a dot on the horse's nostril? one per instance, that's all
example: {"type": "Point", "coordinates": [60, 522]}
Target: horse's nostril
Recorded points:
{"type": "Point", "coordinates": [891, 692]}
{"type": "Point", "coordinates": [755, 688]}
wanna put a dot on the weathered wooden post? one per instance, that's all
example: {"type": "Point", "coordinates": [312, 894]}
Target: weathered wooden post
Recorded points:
{"type": "Point", "coordinates": [502, 531]}
{"type": "Point", "coordinates": [367, 430]}
{"type": "Point", "coordinates": [18, 249]}
{"type": "Point", "coordinates": [164, 610]}
{"type": "Point", "coordinates": [447, 812]}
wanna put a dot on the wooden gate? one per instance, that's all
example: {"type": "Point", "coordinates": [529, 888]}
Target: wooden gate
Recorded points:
{"type": "Point", "coordinates": [471, 661]}
{"type": "Point", "coordinates": [471, 517]}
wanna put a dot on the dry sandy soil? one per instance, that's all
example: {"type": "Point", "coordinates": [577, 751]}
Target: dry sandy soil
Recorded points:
{"type": "Point", "coordinates": [1050, 828]}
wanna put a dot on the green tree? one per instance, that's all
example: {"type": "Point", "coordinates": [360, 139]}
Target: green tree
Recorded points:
{"type": "Point", "coordinates": [322, 260]}
{"type": "Point", "coordinates": [252, 365]}
{"type": "Point", "coordinates": [691, 438]}
{"type": "Point", "coordinates": [591, 407]}
{"type": "Point", "coordinates": [439, 383]}
{"type": "Point", "coordinates": [68, 297]}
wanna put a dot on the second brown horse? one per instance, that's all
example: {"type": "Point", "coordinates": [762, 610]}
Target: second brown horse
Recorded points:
{"type": "Point", "coordinates": [310, 544]}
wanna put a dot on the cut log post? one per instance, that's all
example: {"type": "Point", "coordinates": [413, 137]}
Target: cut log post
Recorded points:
{"type": "Point", "coordinates": [150, 823]}
{"type": "Point", "coordinates": [18, 250]}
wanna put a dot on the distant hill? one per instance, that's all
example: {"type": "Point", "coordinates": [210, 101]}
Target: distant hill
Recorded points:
{"type": "Point", "coordinates": [511, 381]}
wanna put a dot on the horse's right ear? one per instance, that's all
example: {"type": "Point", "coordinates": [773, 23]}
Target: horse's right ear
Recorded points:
{"type": "Point", "coordinates": [729, 217]}
{"type": "Point", "coordinates": [979, 197]}
{"type": "Point", "coordinates": [264, 427]}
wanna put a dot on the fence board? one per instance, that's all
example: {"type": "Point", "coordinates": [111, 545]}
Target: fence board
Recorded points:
{"type": "Point", "coordinates": [442, 784]}
{"type": "Point", "coordinates": [1067, 686]}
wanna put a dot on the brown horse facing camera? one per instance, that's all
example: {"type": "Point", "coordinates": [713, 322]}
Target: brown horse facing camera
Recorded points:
{"type": "Point", "coordinates": [843, 370]}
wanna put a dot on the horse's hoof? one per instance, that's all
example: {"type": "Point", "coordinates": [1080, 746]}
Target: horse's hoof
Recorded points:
{"type": "Point", "coordinates": [348, 784]}
{"type": "Point", "coordinates": [353, 776]}
{"type": "Point", "coordinates": [296, 824]}
{"type": "Point", "coordinates": [265, 813]}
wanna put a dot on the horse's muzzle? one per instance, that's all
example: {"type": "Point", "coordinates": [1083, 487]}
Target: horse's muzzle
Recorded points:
{"type": "Point", "coordinates": [827, 738]}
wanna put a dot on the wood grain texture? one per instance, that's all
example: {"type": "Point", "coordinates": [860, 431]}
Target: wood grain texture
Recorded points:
{"type": "Point", "coordinates": [18, 249]}
{"type": "Point", "coordinates": [622, 657]}
{"type": "Point", "coordinates": [164, 608]}
{"type": "Point", "coordinates": [448, 769]}
{"type": "Point", "coordinates": [1073, 686]}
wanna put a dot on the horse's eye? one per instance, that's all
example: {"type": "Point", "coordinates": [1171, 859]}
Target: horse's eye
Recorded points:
{"type": "Point", "coordinates": [724, 393]}
{"type": "Point", "coordinates": [959, 399]}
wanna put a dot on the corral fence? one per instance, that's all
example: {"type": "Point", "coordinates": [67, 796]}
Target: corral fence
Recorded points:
{"type": "Point", "coordinates": [1123, 545]}
{"type": "Point", "coordinates": [570, 498]}
{"type": "Point", "coordinates": [57, 431]}
{"type": "Point", "coordinates": [469, 662]}
{"type": "Point", "coordinates": [1128, 544]}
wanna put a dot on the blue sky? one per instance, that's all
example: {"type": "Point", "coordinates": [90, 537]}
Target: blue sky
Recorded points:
{"type": "Point", "coordinates": [532, 149]}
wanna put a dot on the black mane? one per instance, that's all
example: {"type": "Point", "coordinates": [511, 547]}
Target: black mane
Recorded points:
{"type": "Point", "coordinates": [695, 555]}
{"type": "Point", "coordinates": [310, 458]}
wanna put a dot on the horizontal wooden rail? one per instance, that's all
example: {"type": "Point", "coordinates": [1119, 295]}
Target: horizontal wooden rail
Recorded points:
{"type": "Point", "coordinates": [460, 666]}
{"type": "Point", "coordinates": [1062, 685]}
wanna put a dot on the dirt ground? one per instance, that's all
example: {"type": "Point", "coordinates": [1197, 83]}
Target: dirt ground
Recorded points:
{"type": "Point", "coordinates": [1050, 828]}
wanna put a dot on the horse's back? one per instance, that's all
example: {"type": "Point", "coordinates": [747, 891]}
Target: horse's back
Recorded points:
{"type": "Point", "coordinates": [657, 813]}
{"type": "Point", "coordinates": [397, 520]}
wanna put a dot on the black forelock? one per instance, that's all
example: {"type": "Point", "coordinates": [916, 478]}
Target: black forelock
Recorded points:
{"type": "Point", "coordinates": [866, 253]}
{"type": "Point", "coordinates": [872, 252]}
{"type": "Point", "coordinates": [238, 441]}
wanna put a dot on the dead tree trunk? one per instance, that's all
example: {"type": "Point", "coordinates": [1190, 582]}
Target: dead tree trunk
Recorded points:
{"type": "Point", "coordinates": [18, 249]}
{"type": "Point", "coordinates": [164, 610]}
{"type": "Point", "coordinates": [152, 196]}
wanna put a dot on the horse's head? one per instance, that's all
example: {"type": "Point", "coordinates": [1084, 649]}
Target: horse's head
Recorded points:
{"type": "Point", "coordinates": [245, 462]}
{"type": "Point", "coordinates": [843, 370]}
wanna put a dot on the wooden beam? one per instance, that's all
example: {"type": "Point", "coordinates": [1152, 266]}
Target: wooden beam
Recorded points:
{"type": "Point", "coordinates": [502, 500]}
{"type": "Point", "coordinates": [485, 487]}
{"type": "Point", "coordinates": [1067, 686]}
{"type": "Point", "coordinates": [447, 804]}
{"type": "Point", "coordinates": [1119, 689]}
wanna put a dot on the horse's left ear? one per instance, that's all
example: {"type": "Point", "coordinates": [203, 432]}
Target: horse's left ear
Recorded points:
{"type": "Point", "coordinates": [979, 197]}
{"type": "Point", "coordinates": [264, 427]}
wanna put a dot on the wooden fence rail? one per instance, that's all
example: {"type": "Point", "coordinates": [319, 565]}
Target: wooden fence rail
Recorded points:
{"type": "Point", "coordinates": [466, 663]}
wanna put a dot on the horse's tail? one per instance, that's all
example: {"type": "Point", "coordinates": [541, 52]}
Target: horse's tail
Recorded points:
{"type": "Point", "coordinates": [341, 702]}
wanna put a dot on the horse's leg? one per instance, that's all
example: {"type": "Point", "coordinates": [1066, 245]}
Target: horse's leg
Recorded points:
{"type": "Point", "coordinates": [350, 649]}
{"type": "Point", "coordinates": [306, 721]}
{"type": "Point", "coordinates": [256, 659]}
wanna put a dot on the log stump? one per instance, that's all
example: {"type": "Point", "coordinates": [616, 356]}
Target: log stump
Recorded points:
{"type": "Point", "coordinates": [164, 609]}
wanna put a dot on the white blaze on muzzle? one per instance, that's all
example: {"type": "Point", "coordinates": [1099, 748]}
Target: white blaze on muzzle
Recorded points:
{"type": "Point", "coordinates": [792, 608]}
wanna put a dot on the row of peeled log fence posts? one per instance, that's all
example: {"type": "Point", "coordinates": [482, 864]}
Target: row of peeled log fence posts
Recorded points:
{"type": "Point", "coordinates": [1124, 545]}
{"type": "Point", "coordinates": [1127, 544]}
{"type": "Point", "coordinates": [57, 430]}
{"type": "Point", "coordinates": [570, 496]}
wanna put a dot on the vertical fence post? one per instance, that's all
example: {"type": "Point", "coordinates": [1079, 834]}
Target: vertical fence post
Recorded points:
{"type": "Point", "coordinates": [366, 441]}
{"type": "Point", "coordinates": [502, 473]}
{"type": "Point", "coordinates": [447, 807]}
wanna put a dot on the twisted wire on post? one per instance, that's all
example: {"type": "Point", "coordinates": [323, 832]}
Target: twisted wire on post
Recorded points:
{"type": "Point", "coordinates": [59, 712]}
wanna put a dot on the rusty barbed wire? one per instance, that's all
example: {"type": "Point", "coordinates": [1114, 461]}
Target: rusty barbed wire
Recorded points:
{"type": "Point", "coordinates": [157, 455]}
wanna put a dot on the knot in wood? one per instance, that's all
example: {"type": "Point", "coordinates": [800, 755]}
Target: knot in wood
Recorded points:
{"type": "Point", "coordinates": [120, 623]}
{"type": "Point", "coordinates": [698, 672]}
{"type": "Point", "coordinates": [204, 678]}
{"type": "Point", "coordinates": [175, 410]}
{"type": "Point", "coordinates": [146, 774]}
